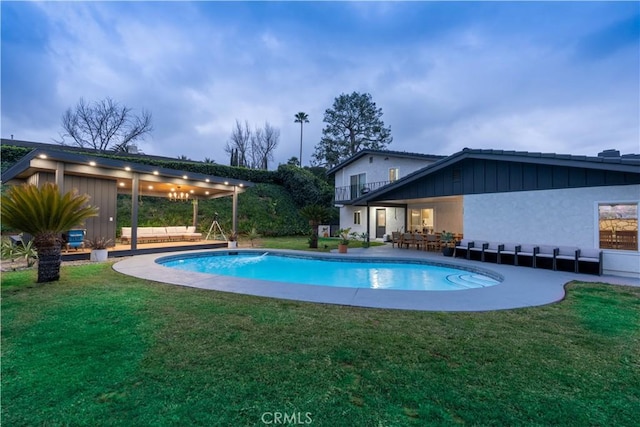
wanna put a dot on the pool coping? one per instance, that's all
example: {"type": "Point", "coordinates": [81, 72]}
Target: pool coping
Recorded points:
{"type": "Point", "coordinates": [520, 287]}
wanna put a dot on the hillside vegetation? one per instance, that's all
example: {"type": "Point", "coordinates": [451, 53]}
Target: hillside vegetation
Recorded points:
{"type": "Point", "coordinates": [271, 206]}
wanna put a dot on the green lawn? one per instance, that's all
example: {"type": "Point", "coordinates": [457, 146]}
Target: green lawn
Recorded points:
{"type": "Point", "coordinates": [302, 243]}
{"type": "Point", "coordinates": [99, 348]}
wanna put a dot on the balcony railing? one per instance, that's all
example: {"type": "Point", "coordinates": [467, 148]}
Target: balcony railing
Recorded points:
{"type": "Point", "coordinates": [350, 192]}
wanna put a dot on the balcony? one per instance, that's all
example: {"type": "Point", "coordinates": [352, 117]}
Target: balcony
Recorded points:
{"type": "Point", "coordinates": [350, 192]}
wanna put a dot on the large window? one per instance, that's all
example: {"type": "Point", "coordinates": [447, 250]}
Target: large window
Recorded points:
{"type": "Point", "coordinates": [618, 224]}
{"type": "Point", "coordinates": [393, 174]}
{"type": "Point", "coordinates": [421, 220]}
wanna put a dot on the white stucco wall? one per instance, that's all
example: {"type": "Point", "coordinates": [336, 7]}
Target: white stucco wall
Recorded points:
{"type": "Point", "coordinates": [566, 217]}
{"type": "Point", "coordinates": [395, 219]}
{"type": "Point", "coordinates": [378, 169]}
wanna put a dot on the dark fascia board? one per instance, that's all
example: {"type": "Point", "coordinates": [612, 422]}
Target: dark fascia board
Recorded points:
{"type": "Point", "coordinates": [630, 164]}
{"type": "Point", "coordinates": [67, 157]}
{"type": "Point", "coordinates": [367, 152]}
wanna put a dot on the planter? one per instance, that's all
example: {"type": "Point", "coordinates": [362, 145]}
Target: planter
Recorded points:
{"type": "Point", "coordinates": [232, 244]}
{"type": "Point", "coordinates": [99, 255]}
{"type": "Point", "coordinates": [342, 249]}
{"type": "Point", "coordinates": [447, 251]}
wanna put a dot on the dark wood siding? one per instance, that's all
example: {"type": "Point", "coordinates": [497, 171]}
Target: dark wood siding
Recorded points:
{"type": "Point", "coordinates": [474, 176]}
{"type": "Point", "coordinates": [103, 195]}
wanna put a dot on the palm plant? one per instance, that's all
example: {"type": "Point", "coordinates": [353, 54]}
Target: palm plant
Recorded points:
{"type": "Point", "coordinates": [315, 214]}
{"type": "Point", "coordinates": [45, 213]}
{"type": "Point", "coordinates": [301, 118]}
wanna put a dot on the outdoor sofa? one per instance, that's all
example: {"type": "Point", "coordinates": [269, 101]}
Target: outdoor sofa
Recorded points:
{"type": "Point", "coordinates": [162, 234]}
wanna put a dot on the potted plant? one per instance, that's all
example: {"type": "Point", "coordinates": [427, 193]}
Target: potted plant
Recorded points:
{"type": "Point", "coordinates": [99, 247]}
{"type": "Point", "coordinates": [345, 237]}
{"type": "Point", "coordinates": [447, 243]}
{"type": "Point", "coordinates": [232, 242]}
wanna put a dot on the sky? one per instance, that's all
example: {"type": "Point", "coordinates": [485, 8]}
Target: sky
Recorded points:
{"type": "Point", "coordinates": [533, 76]}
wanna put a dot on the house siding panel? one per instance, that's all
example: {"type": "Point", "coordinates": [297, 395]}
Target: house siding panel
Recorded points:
{"type": "Point", "coordinates": [491, 176]}
{"type": "Point", "coordinates": [515, 177]}
{"type": "Point", "coordinates": [560, 177]}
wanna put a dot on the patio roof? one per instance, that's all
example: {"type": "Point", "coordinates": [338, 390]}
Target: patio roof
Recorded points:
{"type": "Point", "coordinates": [153, 181]}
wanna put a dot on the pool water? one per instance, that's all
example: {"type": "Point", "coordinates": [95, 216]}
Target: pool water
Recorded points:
{"type": "Point", "coordinates": [351, 273]}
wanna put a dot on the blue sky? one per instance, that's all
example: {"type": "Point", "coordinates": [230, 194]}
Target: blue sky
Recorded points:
{"type": "Point", "coordinates": [541, 76]}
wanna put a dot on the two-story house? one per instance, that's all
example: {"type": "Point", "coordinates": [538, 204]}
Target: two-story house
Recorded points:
{"type": "Point", "coordinates": [367, 171]}
{"type": "Point", "coordinates": [500, 196]}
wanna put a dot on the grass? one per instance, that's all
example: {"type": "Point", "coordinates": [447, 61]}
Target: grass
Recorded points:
{"type": "Point", "coordinates": [325, 244]}
{"type": "Point", "coordinates": [99, 348]}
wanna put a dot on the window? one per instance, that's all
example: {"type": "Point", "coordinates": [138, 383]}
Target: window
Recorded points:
{"type": "Point", "coordinates": [421, 220]}
{"type": "Point", "coordinates": [393, 174]}
{"type": "Point", "coordinates": [358, 182]}
{"type": "Point", "coordinates": [618, 225]}
{"type": "Point", "coordinates": [356, 218]}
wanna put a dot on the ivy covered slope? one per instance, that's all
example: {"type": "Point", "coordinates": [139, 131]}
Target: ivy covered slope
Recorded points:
{"type": "Point", "coordinates": [268, 208]}
{"type": "Point", "coordinates": [271, 206]}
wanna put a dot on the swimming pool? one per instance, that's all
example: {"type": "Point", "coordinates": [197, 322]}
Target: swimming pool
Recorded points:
{"type": "Point", "coordinates": [332, 272]}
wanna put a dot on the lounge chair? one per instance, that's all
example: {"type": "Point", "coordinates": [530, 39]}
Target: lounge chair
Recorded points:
{"type": "Point", "coordinates": [75, 239]}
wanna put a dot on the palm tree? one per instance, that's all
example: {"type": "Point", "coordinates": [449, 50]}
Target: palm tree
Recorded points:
{"type": "Point", "coordinates": [45, 214]}
{"type": "Point", "coordinates": [301, 118]}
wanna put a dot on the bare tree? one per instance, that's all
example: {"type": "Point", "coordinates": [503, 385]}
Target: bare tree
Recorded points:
{"type": "Point", "coordinates": [241, 141]}
{"type": "Point", "coordinates": [270, 140]}
{"type": "Point", "coordinates": [263, 143]}
{"type": "Point", "coordinates": [104, 125]}
{"type": "Point", "coordinates": [256, 149]}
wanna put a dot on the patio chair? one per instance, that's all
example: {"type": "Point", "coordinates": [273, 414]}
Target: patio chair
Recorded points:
{"type": "Point", "coordinates": [419, 241]}
{"type": "Point", "coordinates": [527, 251]}
{"type": "Point", "coordinates": [433, 244]}
{"type": "Point", "coordinates": [508, 250]}
{"type": "Point", "coordinates": [462, 248]}
{"type": "Point", "coordinates": [407, 239]}
{"type": "Point", "coordinates": [75, 239]}
{"type": "Point", "coordinates": [567, 255]}
{"type": "Point", "coordinates": [396, 237]}
{"type": "Point", "coordinates": [546, 254]}
{"type": "Point", "coordinates": [492, 248]}
{"type": "Point", "coordinates": [589, 257]}
{"type": "Point", "coordinates": [478, 248]}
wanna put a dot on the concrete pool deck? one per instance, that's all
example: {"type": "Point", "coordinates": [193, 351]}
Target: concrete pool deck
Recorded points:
{"type": "Point", "coordinates": [520, 287]}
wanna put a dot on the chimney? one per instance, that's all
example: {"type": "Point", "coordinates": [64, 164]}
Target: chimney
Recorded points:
{"type": "Point", "coordinates": [609, 153]}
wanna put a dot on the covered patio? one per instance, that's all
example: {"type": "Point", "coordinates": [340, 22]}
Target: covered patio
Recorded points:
{"type": "Point", "coordinates": [103, 178]}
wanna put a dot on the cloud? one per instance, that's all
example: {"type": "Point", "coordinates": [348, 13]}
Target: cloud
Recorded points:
{"type": "Point", "coordinates": [446, 76]}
